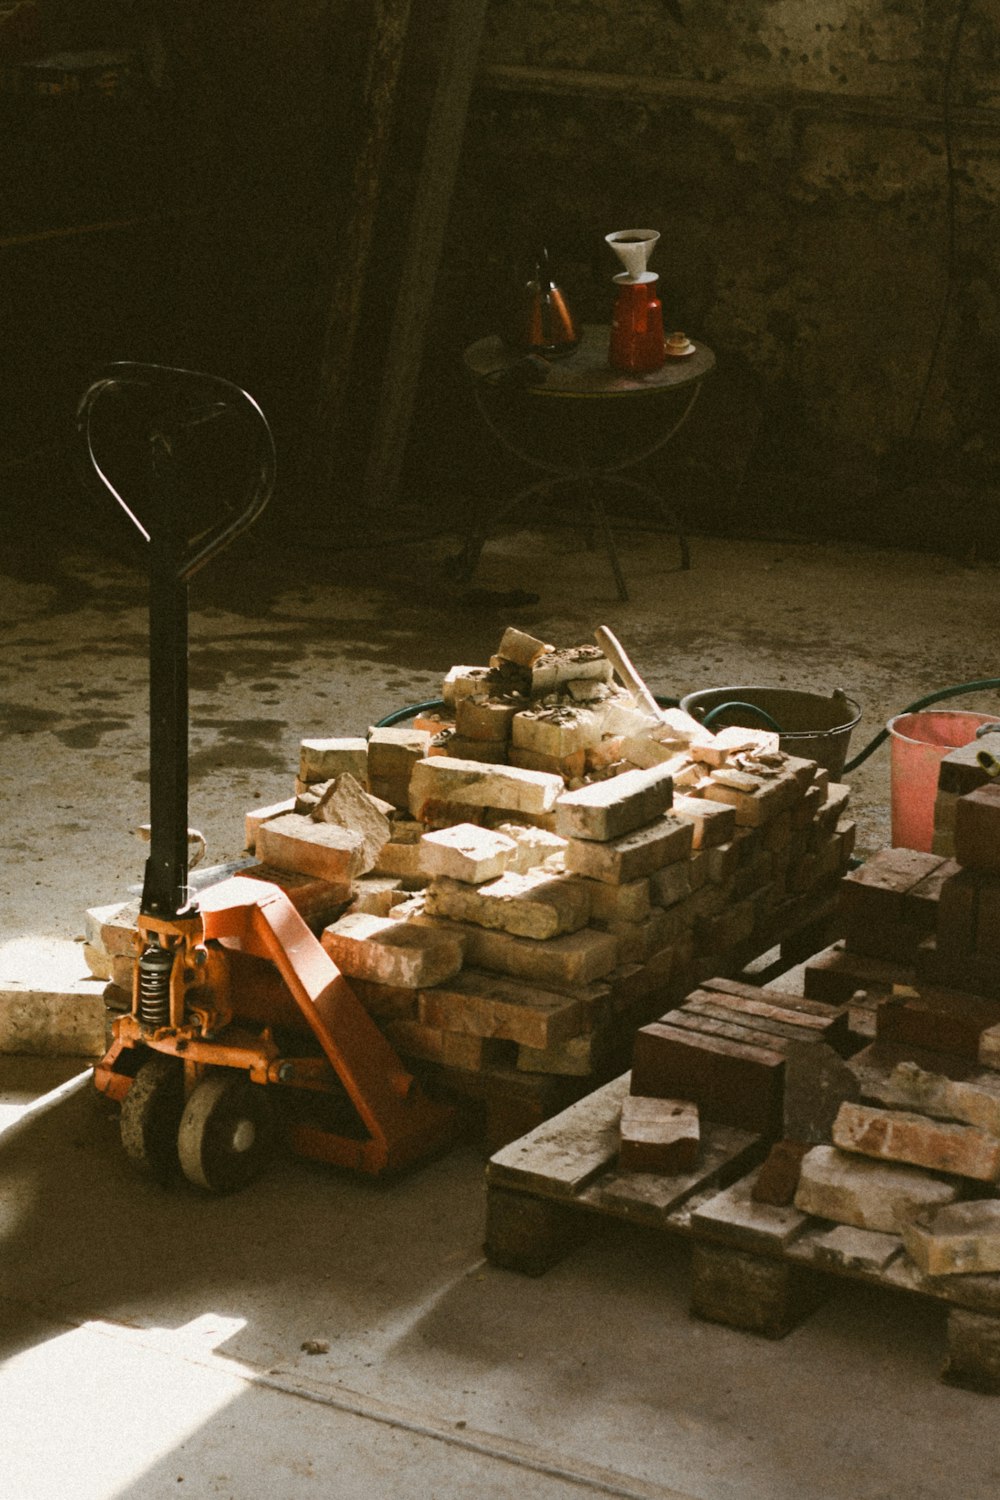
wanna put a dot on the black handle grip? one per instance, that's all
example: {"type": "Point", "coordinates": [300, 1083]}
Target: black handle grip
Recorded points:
{"type": "Point", "coordinates": [202, 397]}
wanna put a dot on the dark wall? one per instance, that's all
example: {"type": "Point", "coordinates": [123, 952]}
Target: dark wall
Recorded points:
{"type": "Point", "coordinates": [824, 177]}
{"type": "Point", "coordinates": [795, 157]}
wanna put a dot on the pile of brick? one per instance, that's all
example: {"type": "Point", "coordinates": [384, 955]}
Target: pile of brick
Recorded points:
{"type": "Point", "coordinates": [516, 882]}
{"type": "Point", "coordinates": [903, 1137]}
{"type": "Point", "coordinates": [722, 1054]}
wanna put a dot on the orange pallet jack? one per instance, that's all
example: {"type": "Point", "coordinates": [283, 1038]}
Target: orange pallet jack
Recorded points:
{"type": "Point", "coordinates": [241, 1028]}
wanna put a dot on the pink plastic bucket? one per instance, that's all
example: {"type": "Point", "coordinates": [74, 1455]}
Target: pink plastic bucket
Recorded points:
{"type": "Point", "coordinates": [920, 743]}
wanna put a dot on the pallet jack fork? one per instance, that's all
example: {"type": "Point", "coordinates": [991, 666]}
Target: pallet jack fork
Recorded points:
{"type": "Point", "coordinates": [241, 1026]}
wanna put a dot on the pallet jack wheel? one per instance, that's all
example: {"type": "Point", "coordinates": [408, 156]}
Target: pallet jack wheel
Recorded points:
{"type": "Point", "coordinates": [150, 1116]}
{"type": "Point", "coordinates": [226, 1133]}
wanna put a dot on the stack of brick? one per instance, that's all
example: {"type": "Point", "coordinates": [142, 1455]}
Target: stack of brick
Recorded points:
{"type": "Point", "coordinates": [888, 909]}
{"type": "Point", "coordinates": [724, 1050]}
{"type": "Point", "coordinates": [965, 950]}
{"type": "Point", "coordinates": [515, 888]}
{"type": "Point", "coordinates": [915, 1135]}
{"type": "Point", "coordinates": [904, 1136]}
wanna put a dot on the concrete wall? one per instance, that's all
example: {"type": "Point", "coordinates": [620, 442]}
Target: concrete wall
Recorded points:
{"type": "Point", "coordinates": [793, 156]}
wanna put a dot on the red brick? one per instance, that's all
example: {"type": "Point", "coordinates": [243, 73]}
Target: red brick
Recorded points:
{"type": "Point", "coordinates": [938, 1019]}
{"type": "Point", "coordinates": [778, 1178]}
{"type": "Point", "coordinates": [977, 829]}
{"type": "Point", "coordinates": [732, 1082]}
{"type": "Point", "coordinates": [658, 1135]}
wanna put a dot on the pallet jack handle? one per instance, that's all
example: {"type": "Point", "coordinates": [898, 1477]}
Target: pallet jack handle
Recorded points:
{"type": "Point", "coordinates": [176, 399]}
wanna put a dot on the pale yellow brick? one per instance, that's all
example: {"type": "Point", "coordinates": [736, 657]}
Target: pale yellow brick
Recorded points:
{"type": "Point", "coordinates": [533, 905]}
{"type": "Point", "coordinates": [392, 952]}
{"type": "Point", "coordinates": [467, 852]}
{"type": "Point", "coordinates": [294, 842]}
{"type": "Point", "coordinates": [469, 784]}
{"type": "Point", "coordinates": [633, 855]}
{"type": "Point", "coordinates": [608, 809]}
{"type": "Point", "coordinates": [320, 760]}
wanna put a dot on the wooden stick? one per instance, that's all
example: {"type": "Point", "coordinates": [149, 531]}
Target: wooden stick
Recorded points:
{"type": "Point", "coordinates": [614, 651]}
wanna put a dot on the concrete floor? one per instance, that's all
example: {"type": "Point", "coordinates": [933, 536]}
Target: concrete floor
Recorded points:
{"type": "Point", "coordinates": [154, 1341]}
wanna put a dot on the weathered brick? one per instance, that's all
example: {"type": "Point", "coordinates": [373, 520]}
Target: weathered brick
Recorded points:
{"type": "Point", "coordinates": [258, 815]}
{"type": "Point", "coordinates": [576, 958]}
{"type": "Point", "coordinates": [346, 804]}
{"type": "Point", "coordinates": [466, 852]}
{"type": "Point", "coordinates": [884, 878]}
{"type": "Point", "coordinates": [938, 1145]}
{"type": "Point", "coordinates": [671, 884]}
{"type": "Point", "coordinates": [972, 1101]}
{"type": "Point", "coordinates": [633, 855]}
{"type": "Point", "coordinates": [921, 903]}
{"type": "Point", "coordinates": [958, 1239]}
{"type": "Point", "coordinates": [869, 1194]}
{"type": "Point", "coordinates": [977, 829]}
{"type": "Point", "coordinates": [386, 1002]}
{"type": "Point", "coordinates": [463, 682]}
{"type": "Point", "coordinates": [488, 1005]}
{"type": "Point", "coordinates": [577, 1057]}
{"type": "Point", "coordinates": [939, 1019]}
{"type": "Point", "coordinates": [958, 912]}
{"type": "Point", "coordinates": [817, 1082]}
{"type": "Point", "coordinates": [960, 771]}
{"type": "Point", "coordinates": [461, 747]}
{"type": "Point", "coordinates": [486, 718]}
{"type": "Point", "coordinates": [732, 1082]}
{"type": "Point", "coordinates": [392, 952]}
{"type": "Point", "coordinates": [756, 799]}
{"type": "Point", "coordinates": [567, 767]}
{"type": "Point", "coordinates": [629, 902]}
{"type": "Point", "coordinates": [713, 822]}
{"type": "Point", "coordinates": [722, 862]}
{"type": "Point", "coordinates": [778, 1177]}
{"type": "Point", "coordinates": [834, 975]}
{"type": "Point", "coordinates": [534, 847]}
{"type": "Point", "coordinates": [294, 842]}
{"type": "Point", "coordinates": [848, 1249]}
{"type": "Point", "coordinates": [638, 941]}
{"type": "Point", "coordinates": [320, 760]}
{"type": "Point", "coordinates": [533, 905]}
{"type": "Point", "coordinates": [470, 784]}
{"type": "Point", "coordinates": [658, 1135]}
{"type": "Point", "coordinates": [400, 860]}
{"type": "Point", "coordinates": [715, 749]}
{"type": "Point", "coordinates": [556, 731]}
{"type": "Point", "coordinates": [519, 647]}
{"type": "Point", "coordinates": [393, 752]}
{"type": "Point", "coordinates": [378, 894]}
{"type": "Point", "coordinates": [608, 809]}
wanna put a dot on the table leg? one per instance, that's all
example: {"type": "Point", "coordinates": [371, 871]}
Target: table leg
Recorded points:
{"type": "Point", "coordinates": [653, 494]}
{"type": "Point", "coordinates": [601, 517]}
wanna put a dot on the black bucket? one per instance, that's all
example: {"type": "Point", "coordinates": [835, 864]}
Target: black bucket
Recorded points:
{"type": "Point", "coordinates": [810, 725]}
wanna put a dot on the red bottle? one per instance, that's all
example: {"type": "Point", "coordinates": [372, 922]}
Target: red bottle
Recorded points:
{"type": "Point", "coordinates": [637, 343]}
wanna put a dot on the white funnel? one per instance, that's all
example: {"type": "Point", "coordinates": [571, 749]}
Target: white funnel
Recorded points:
{"type": "Point", "coordinates": [633, 248]}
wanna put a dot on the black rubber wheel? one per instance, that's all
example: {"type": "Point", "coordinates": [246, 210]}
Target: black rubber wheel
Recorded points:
{"type": "Point", "coordinates": [150, 1116]}
{"type": "Point", "coordinates": [226, 1133]}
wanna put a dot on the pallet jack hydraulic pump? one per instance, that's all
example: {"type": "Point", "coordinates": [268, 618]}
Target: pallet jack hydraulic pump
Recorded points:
{"type": "Point", "coordinates": [241, 1030]}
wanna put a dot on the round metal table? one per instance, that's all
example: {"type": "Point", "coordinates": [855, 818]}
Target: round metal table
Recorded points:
{"type": "Point", "coordinates": [581, 378]}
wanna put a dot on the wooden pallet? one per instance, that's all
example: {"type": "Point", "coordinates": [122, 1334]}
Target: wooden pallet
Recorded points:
{"type": "Point", "coordinates": [544, 1190]}
{"type": "Point", "coordinates": [754, 1267]}
{"type": "Point", "coordinates": [764, 1269]}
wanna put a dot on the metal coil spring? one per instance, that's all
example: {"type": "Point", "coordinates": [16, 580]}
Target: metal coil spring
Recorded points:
{"type": "Point", "coordinates": [155, 967]}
